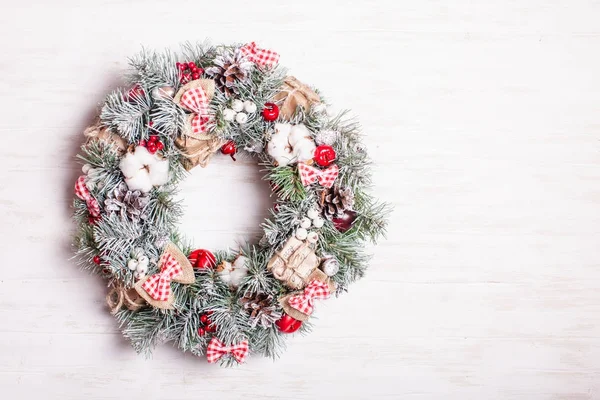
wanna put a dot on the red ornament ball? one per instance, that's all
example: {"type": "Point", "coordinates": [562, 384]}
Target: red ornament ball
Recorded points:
{"type": "Point", "coordinates": [287, 324]}
{"type": "Point", "coordinates": [202, 259]}
{"type": "Point", "coordinates": [96, 259]}
{"type": "Point", "coordinates": [344, 223]}
{"type": "Point", "coordinates": [324, 155]}
{"type": "Point", "coordinates": [229, 149]}
{"type": "Point", "coordinates": [270, 112]}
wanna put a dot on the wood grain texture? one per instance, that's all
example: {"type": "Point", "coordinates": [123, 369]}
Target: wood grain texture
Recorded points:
{"type": "Point", "coordinates": [484, 121]}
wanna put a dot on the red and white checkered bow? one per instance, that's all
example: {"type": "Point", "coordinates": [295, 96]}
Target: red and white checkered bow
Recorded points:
{"type": "Point", "coordinates": [84, 194]}
{"type": "Point", "coordinates": [310, 175]}
{"type": "Point", "coordinates": [196, 101]}
{"type": "Point", "coordinates": [316, 290]}
{"type": "Point", "coordinates": [261, 57]}
{"type": "Point", "coordinates": [216, 349]}
{"type": "Point", "coordinates": [158, 286]}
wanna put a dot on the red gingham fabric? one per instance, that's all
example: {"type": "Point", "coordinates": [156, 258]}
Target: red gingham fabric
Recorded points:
{"type": "Point", "coordinates": [310, 175]}
{"type": "Point", "coordinates": [216, 349]}
{"type": "Point", "coordinates": [84, 194]}
{"type": "Point", "coordinates": [316, 290]}
{"type": "Point", "coordinates": [261, 57]}
{"type": "Point", "coordinates": [196, 101]}
{"type": "Point", "coordinates": [158, 286]}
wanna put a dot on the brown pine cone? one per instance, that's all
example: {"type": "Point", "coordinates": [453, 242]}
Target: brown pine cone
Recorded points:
{"type": "Point", "coordinates": [262, 308]}
{"type": "Point", "coordinates": [230, 68]}
{"type": "Point", "coordinates": [337, 200]}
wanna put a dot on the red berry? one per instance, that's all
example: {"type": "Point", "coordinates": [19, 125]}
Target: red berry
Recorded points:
{"type": "Point", "coordinates": [153, 139]}
{"type": "Point", "coordinates": [270, 112]}
{"type": "Point", "coordinates": [191, 65]}
{"type": "Point", "coordinates": [151, 147]}
{"type": "Point", "coordinates": [229, 149]}
{"type": "Point", "coordinates": [97, 259]}
{"type": "Point", "coordinates": [195, 75]}
{"type": "Point", "coordinates": [211, 328]}
{"type": "Point", "coordinates": [201, 331]}
{"type": "Point", "coordinates": [204, 319]}
{"type": "Point", "coordinates": [180, 66]}
{"type": "Point", "coordinates": [151, 124]}
{"type": "Point", "coordinates": [142, 143]}
{"type": "Point", "coordinates": [160, 145]}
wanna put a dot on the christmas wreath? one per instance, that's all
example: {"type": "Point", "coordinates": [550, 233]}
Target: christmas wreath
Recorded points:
{"type": "Point", "coordinates": [176, 115]}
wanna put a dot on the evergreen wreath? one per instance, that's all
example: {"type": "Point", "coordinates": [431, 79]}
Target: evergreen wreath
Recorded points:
{"type": "Point", "coordinates": [176, 115]}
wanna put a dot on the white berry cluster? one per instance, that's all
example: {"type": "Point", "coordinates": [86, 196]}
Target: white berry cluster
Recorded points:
{"type": "Point", "coordinates": [312, 219]}
{"type": "Point", "coordinates": [239, 111]}
{"type": "Point", "coordinates": [138, 263]}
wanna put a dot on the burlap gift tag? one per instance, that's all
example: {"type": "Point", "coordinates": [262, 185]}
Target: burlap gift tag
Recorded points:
{"type": "Point", "coordinates": [197, 149]}
{"type": "Point", "coordinates": [294, 263]}
{"type": "Point", "coordinates": [292, 94]}
{"type": "Point", "coordinates": [186, 278]}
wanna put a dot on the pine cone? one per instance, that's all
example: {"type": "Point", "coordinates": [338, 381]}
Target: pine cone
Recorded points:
{"type": "Point", "coordinates": [230, 68]}
{"type": "Point", "coordinates": [130, 204]}
{"type": "Point", "coordinates": [262, 309]}
{"type": "Point", "coordinates": [336, 201]}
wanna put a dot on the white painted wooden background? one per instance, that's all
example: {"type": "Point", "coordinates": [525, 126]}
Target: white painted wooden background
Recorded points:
{"type": "Point", "coordinates": [484, 122]}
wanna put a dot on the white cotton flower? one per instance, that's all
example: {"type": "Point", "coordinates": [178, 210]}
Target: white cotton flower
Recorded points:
{"type": "Point", "coordinates": [143, 170]}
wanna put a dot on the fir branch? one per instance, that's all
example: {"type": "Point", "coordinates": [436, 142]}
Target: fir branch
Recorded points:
{"type": "Point", "coordinates": [127, 114]}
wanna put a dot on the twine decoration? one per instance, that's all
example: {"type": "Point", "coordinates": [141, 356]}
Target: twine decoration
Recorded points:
{"type": "Point", "coordinates": [294, 93]}
{"type": "Point", "coordinates": [119, 296]}
{"type": "Point", "coordinates": [97, 131]}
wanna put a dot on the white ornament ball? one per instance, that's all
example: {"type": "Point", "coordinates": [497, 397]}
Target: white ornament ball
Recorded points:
{"type": "Point", "coordinates": [312, 214]}
{"type": "Point", "coordinates": [228, 114]}
{"type": "Point", "coordinates": [312, 237]}
{"type": "Point", "coordinates": [241, 118]}
{"type": "Point", "coordinates": [139, 275]}
{"type": "Point", "coordinates": [132, 264]}
{"type": "Point", "coordinates": [86, 168]}
{"type": "Point", "coordinates": [142, 269]}
{"type": "Point", "coordinates": [305, 223]}
{"type": "Point", "coordinates": [249, 107]}
{"type": "Point", "coordinates": [318, 222]}
{"type": "Point", "coordinates": [330, 266]}
{"type": "Point", "coordinates": [237, 105]}
{"type": "Point", "coordinates": [301, 233]}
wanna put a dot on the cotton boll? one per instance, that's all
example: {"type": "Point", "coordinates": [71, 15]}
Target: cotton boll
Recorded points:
{"type": "Point", "coordinates": [278, 147]}
{"type": "Point", "coordinates": [130, 165]}
{"type": "Point", "coordinates": [237, 275]}
{"type": "Point", "coordinates": [139, 181]}
{"type": "Point", "coordinates": [159, 173]}
{"type": "Point", "coordinates": [304, 150]}
{"type": "Point", "coordinates": [240, 262]}
{"type": "Point", "coordinates": [298, 133]}
{"type": "Point", "coordinates": [144, 156]}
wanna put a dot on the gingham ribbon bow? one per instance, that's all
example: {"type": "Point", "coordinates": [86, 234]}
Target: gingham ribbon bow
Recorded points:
{"type": "Point", "coordinates": [196, 101]}
{"type": "Point", "coordinates": [316, 290]}
{"type": "Point", "coordinates": [216, 349]}
{"type": "Point", "coordinates": [261, 57]}
{"type": "Point", "coordinates": [158, 286]}
{"type": "Point", "coordinates": [84, 194]}
{"type": "Point", "coordinates": [310, 175]}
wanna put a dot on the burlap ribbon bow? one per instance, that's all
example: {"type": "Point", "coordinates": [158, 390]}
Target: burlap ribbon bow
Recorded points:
{"type": "Point", "coordinates": [196, 145]}
{"type": "Point", "coordinates": [217, 349]}
{"type": "Point", "coordinates": [174, 267]}
{"type": "Point", "coordinates": [84, 194]}
{"type": "Point", "coordinates": [294, 94]}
